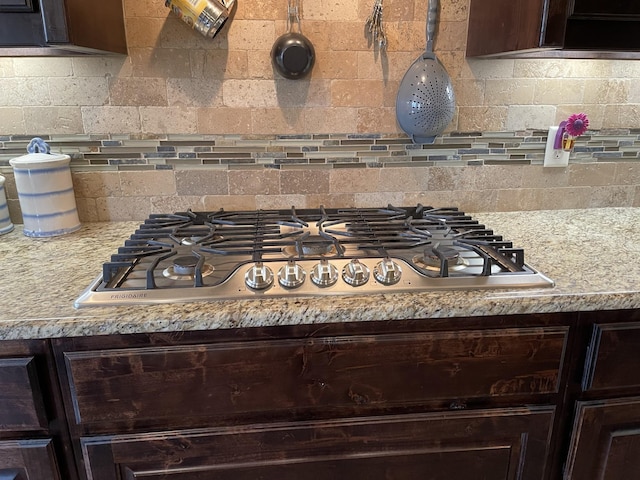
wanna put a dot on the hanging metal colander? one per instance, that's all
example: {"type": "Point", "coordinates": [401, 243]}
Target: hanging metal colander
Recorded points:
{"type": "Point", "coordinates": [425, 104]}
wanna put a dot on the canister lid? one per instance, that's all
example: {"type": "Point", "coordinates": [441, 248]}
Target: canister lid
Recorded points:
{"type": "Point", "coordinates": [40, 161]}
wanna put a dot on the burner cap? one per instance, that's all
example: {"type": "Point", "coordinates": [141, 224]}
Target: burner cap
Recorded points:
{"type": "Point", "coordinates": [314, 245]}
{"type": "Point", "coordinates": [318, 248]}
{"type": "Point", "coordinates": [449, 253]}
{"type": "Point", "coordinates": [184, 268]}
{"type": "Point", "coordinates": [185, 265]}
{"type": "Point", "coordinates": [431, 261]}
{"type": "Point", "coordinates": [195, 239]}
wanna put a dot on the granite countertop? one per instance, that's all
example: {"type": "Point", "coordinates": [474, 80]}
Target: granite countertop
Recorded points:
{"type": "Point", "coordinates": [592, 255]}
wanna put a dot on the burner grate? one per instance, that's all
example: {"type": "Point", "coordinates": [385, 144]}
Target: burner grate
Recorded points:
{"type": "Point", "coordinates": [186, 256]}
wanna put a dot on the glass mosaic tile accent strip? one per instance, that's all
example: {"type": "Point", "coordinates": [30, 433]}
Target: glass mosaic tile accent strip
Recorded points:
{"type": "Point", "coordinates": [127, 152]}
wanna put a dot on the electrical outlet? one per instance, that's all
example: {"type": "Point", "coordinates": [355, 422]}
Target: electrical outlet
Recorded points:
{"type": "Point", "coordinates": [555, 157]}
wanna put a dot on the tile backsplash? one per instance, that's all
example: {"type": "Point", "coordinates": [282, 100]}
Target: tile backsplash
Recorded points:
{"type": "Point", "coordinates": [127, 177]}
{"type": "Point", "coordinates": [176, 81]}
{"type": "Point", "coordinates": [188, 122]}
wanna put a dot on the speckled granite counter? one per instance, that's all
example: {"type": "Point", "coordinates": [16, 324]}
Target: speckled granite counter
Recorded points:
{"type": "Point", "coordinates": [591, 254]}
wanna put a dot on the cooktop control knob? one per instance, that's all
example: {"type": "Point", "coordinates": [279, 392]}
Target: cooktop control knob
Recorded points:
{"type": "Point", "coordinates": [259, 277]}
{"type": "Point", "coordinates": [387, 272]}
{"type": "Point", "coordinates": [355, 273]}
{"type": "Point", "coordinates": [324, 274]}
{"type": "Point", "coordinates": [291, 275]}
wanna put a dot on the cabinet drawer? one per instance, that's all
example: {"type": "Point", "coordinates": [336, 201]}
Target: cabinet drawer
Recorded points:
{"type": "Point", "coordinates": [613, 360]}
{"type": "Point", "coordinates": [496, 444]}
{"type": "Point", "coordinates": [28, 459]}
{"type": "Point", "coordinates": [298, 376]}
{"type": "Point", "coordinates": [21, 402]}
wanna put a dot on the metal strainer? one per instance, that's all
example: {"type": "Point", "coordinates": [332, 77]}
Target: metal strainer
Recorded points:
{"type": "Point", "coordinates": [425, 104]}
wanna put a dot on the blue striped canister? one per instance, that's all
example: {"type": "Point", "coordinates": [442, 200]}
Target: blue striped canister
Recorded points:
{"type": "Point", "coordinates": [46, 195]}
{"type": "Point", "coordinates": [5, 222]}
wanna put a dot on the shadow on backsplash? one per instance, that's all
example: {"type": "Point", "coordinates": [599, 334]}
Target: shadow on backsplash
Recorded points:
{"type": "Point", "coordinates": [126, 177]}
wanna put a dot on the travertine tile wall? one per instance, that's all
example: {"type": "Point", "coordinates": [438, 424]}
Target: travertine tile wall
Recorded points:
{"type": "Point", "coordinates": [176, 81]}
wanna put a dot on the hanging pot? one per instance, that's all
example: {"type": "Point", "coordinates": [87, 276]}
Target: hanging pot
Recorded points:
{"type": "Point", "coordinates": [293, 54]}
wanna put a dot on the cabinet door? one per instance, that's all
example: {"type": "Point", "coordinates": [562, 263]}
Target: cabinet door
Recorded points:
{"type": "Point", "coordinates": [599, 24]}
{"type": "Point", "coordinates": [21, 404]}
{"type": "Point", "coordinates": [575, 28]}
{"type": "Point", "coordinates": [195, 385]}
{"type": "Point", "coordinates": [503, 25]}
{"type": "Point", "coordinates": [19, 28]}
{"type": "Point", "coordinates": [612, 361]}
{"type": "Point", "coordinates": [28, 460]}
{"type": "Point", "coordinates": [609, 7]}
{"type": "Point", "coordinates": [606, 441]}
{"type": "Point", "coordinates": [489, 444]}
{"type": "Point", "coordinates": [17, 6]}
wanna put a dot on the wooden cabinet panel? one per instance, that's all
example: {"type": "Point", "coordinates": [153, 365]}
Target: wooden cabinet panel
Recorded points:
{"type": "Point", "coordinates": [493, 444]}
{"type": "Point", "coordinates": [17, 6]}
{"type": "Point", "coordinates": [21, 403]}
{"type": "Point", "coordinates": [61, 27]}
{"type": "Point", "coordinates": [28, 460]}
{"type": "Point", "coordinates": [554, 28]}
{"type": "Point", "coordinates": [519, 26]}
{"type": "Point", "coordinates": [173, 384]}
{"type": "Point", "coordinates": [609, 7]}
{"type": "Point", "coordinates": [606, 440]}
{"type": "Point", "coordinates": [613, 359]}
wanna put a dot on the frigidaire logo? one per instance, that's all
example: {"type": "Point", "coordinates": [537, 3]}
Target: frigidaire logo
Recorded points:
{"type": "Point", "coordinates": [124, 296]}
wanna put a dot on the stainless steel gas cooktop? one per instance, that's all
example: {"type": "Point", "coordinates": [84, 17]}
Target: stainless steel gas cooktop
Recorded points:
{"type": "Point", "coordinates": [200, 256]}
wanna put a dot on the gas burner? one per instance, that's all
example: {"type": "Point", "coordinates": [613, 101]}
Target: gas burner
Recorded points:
{"type": "Point", "coordinates": [184, 268]}
{"type": "Point", "coordinates": [190, 241]}
{"type": "Point", "coordinates": [320, 247]}
{"type": "Point", "coordinates": [309, 241]}
{"type": "Point", "coordinates": [314, 246]}
{"type": "Point", "coordinates": [195, 239]}
{"type": "Point", "coordinates": [431, 261]}
{"type": "Point", "coordinates": [204, 256]}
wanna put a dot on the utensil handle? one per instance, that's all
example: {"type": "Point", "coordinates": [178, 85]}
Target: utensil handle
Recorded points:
{"type": "Point", "coordinates": [432, 13]}
{"type": "Point", "coordinates": [293, 16]}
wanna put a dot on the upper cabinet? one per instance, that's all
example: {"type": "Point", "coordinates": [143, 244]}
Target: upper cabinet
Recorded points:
{"type": "Point", "coordinates": [554, 28]}
{"type": "Point", "coordinates": [61, 27]}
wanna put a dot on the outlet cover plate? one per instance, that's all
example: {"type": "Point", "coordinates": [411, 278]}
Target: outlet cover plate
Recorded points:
{"type": "Point", "coordinates": [555, 157]}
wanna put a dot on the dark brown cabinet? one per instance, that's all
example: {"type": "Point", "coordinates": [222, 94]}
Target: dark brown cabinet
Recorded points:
{"type": "Point", "coordinates": [496, 444]}
{"type": "Point", "coordinates": [612, 361]}
{"type": "Point", "coordinates": [605, 439]}
{"type": "Point", "coordinates": [606, 442]}
{"type": "Point", "coordinates": [33, 432]}
{"type": "Point", "coordinates": [402, 400]}
{"type": "Point", "coordinates": [554, 28]}
{"type": "Point", "coordinates": [530, 397]}
{"type": "Point", "coordinates": [184, 385]}
{"type": "Point", "coordinates": [20, 396]}
{"type": "Point", "coordinates": [28, 460]}
{"type": "Point", "coordinates": [61, 27]}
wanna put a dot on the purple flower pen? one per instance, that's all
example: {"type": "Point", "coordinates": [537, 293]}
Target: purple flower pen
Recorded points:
{"type": "Point", "coordinates": [569, 130]}
{"type": "Point", "coordinates": [577, 124]}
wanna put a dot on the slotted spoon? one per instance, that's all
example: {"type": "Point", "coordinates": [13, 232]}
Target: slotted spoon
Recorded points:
{"type": "Point", "coordinates": [425, 104]}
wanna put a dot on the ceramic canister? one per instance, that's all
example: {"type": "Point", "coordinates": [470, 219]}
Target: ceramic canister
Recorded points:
{"type": "Point", "coordinates": [5, 222]}
{"type": "Point", "coordinates": [45, 191]}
